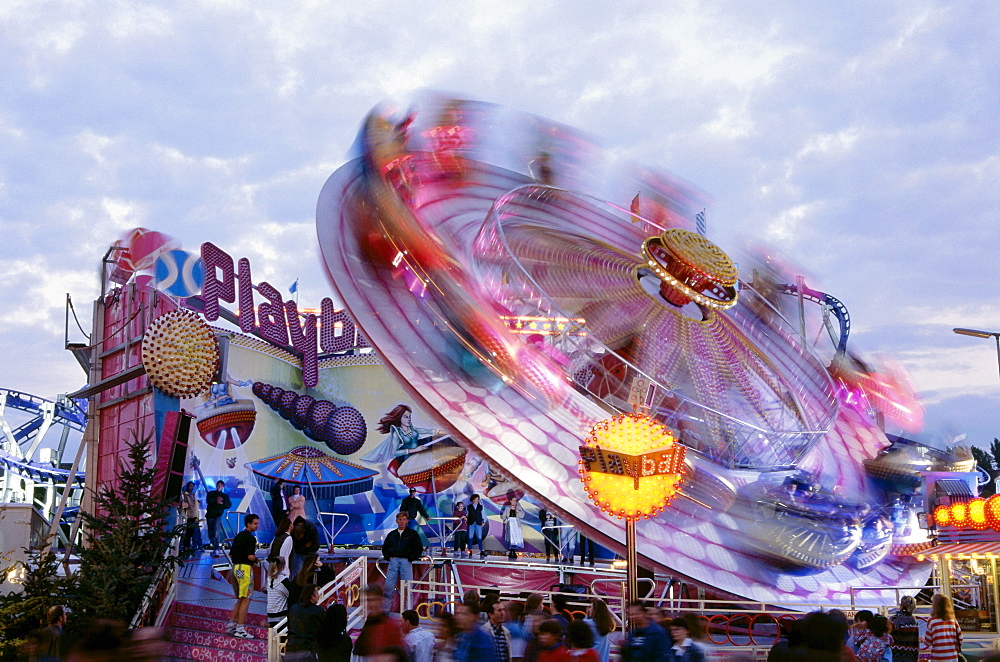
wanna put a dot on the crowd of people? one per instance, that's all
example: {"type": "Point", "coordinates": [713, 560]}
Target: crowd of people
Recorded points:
{"type": "Point", "coordinates": [873, 637]}
{"type": "Point", "coordinates": [488, 629]}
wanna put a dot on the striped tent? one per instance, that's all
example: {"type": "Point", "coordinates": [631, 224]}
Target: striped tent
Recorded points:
{"type": "Point", "coordinates": [326, 476]}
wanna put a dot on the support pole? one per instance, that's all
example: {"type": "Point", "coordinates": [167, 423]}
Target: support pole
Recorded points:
{"type": "Point", "coordinates": [631, 570]}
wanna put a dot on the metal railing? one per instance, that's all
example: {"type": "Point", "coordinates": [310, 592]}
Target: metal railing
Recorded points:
{"type": "Point", "coordinates": [346, 589]}
{"type": "Point", "coordinates": [162, 588]}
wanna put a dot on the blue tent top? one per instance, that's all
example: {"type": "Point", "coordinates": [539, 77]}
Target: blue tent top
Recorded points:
{"type": "Point", "coordinates": [327, 476]}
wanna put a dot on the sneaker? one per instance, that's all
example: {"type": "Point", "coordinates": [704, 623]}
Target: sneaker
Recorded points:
{"type": "Point", "coordinates": [230, 627]}
{"type": "Point", "coordinates": [241, 633]}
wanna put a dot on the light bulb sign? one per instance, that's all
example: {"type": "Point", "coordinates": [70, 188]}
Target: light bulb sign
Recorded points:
{"type": "Point", "coordinates": [662, 462]}
{"type": "Point", "coordinates": [277, 321]}
{"type": "Point", "coordinates": [631, 465]}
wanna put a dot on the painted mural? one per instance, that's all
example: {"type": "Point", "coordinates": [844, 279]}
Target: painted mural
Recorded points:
{"type": "Point", "coordinates": [354, 443]}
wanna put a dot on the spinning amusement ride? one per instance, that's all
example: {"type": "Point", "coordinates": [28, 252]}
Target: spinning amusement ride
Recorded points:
{"type": "Point", "coordinates": [524, 301]}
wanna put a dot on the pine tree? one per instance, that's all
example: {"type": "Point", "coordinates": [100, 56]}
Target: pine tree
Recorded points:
{"type": "Point", "coordinates": [23, 612]}
{"type": "Point", "coordinates": [983, 459]}
{"type": "Point", "coordinates": [127, 537]}
{"type": "Point", "coordinates": [995, 451]}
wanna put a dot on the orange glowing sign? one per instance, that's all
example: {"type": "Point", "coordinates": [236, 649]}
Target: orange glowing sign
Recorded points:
{"type": "Point", "coordinates": [631, 465]}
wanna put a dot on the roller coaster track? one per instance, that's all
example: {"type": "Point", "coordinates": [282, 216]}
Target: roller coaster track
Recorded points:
{"type": "Point", "coordinates": [833, 304]}
{"type": "Point", "coordinates": [21, 443]}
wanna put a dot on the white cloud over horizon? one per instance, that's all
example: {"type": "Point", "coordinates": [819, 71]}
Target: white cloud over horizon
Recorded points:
{"type": "Point", "coordinates": [862, 142]}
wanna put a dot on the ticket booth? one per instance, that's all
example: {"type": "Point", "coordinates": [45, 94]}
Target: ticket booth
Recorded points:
{"type": "Point", "coordinates": [967, 573]}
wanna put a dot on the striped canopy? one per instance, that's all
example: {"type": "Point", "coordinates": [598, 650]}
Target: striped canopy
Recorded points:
{"type": "Point", "coordinates": [327, 476]}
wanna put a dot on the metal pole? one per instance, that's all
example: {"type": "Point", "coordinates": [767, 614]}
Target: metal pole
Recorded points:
{"type": "Point", "coordinates": [631, 569]}
{"type": "Point", "coordinates": [996, 336]}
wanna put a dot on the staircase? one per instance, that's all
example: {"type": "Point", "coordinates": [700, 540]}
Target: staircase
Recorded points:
{"type": "Point", "coordinates": [197, 632]}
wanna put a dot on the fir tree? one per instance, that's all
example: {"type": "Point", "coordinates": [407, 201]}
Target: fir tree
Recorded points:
{"type": "Point", "coordinates": [127, 537]}
{"type": "Point", "coordinates": [995, 451]}
{"type": "Point", "coordinates": [983, 459]}
{"type": "Point", "coordinates": [23, 612]}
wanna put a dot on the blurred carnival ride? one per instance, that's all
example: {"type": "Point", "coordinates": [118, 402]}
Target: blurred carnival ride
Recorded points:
{"type": "Point", "coordinates": [525, 286]}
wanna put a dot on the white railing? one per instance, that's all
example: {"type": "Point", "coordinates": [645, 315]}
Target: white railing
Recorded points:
{"type": "Point", "coordinates": [346, 588]}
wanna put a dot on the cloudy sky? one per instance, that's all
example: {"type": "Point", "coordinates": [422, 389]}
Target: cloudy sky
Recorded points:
{"type": "Point", "coordinates": [860, 139]}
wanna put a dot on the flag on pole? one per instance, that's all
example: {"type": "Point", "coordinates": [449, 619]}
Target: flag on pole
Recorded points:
{"type": "Point", "coordinates": [294, 287]}
{"type": "Point", "coordinates": [700, 223]}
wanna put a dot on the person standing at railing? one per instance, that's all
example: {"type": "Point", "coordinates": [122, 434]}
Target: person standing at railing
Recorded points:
{"type": "Point", "coordinates": [279, 505]}
{"type": "Point", "coordinates": [189, 510]}
{"type": "Point", "coordinates": [401, 548]}
{"type": "Point", "coordinates": [217, 502]}
{"type": "Point", "coordinates": [477, 522]}
{"type": "Point", "coordinates": [511, 516]}
{"type": "Point", "coordinates": [296, 504]}
{"type": "Point", "coordinates": [905, 632]}
{"type": "Point", "coordinates": [413, 506]}
{"type": "Point", "coordinates": [943, 639]}
{"type": "Point", "coordinates": [461, 529]}
{"type": "Point", "coordinates": [244, 556]}
{"type": "Point", "coordinates": [550, 534]}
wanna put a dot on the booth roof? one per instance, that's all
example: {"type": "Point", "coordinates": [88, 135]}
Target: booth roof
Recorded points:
{"type": "Point", "coordinates": [962, 550]}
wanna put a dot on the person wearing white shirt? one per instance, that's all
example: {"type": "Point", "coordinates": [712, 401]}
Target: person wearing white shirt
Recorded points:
{"type": "Point", "coordinates": [418, 641]}
{"type": "Point", "coordinates": [684, 649]}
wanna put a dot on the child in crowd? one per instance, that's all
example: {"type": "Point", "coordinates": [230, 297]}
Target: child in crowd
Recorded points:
{"type": "Point", "coordinates": [461, 529]}
{"type": "Point", "coordinates": [581, 642]}
{"type": "Point", "coordinates": [550, 643]}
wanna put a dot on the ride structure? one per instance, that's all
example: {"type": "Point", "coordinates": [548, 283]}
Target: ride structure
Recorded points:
{"type": "Point", "coordinates": [522, 308]}
{"type": "Point", "coordinates": [37, 435]}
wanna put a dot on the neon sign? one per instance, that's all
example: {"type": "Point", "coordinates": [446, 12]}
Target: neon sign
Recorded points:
{"type": "Point", "coordinates": [275, 320]}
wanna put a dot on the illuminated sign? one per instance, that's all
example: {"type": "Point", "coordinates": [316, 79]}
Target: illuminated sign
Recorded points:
{"type": "Point", "coordinates": [277, 321]}
{"type": "Point", "coordinates": [657, 463]}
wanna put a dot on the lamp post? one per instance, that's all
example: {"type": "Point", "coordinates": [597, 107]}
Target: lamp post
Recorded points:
{"type": "Point", "coordinates": [630, 466]}
{"type": "Point", "coordinates": [975, 333]}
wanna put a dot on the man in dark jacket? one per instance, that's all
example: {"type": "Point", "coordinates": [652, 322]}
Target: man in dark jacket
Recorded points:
{"type": "Point", "coordinates": [413, 506]}
{"type": "Point", "coordinates": [305, 541]}
{"type": "Point", "coordinates": [279, 505]}
{"type": "Point", "coordinates": [217, 502]}
{"type": "Point", "coordinates": [401, 547]}
{"type": "Point", "coordinates": [477, 525]}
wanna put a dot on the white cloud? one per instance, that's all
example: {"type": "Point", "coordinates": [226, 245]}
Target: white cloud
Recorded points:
{"type": "Point", "coordinates": [863, 144]}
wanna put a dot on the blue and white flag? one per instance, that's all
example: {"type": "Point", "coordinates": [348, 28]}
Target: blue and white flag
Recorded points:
{"type": "Point", "coordinates": [700, 223]}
